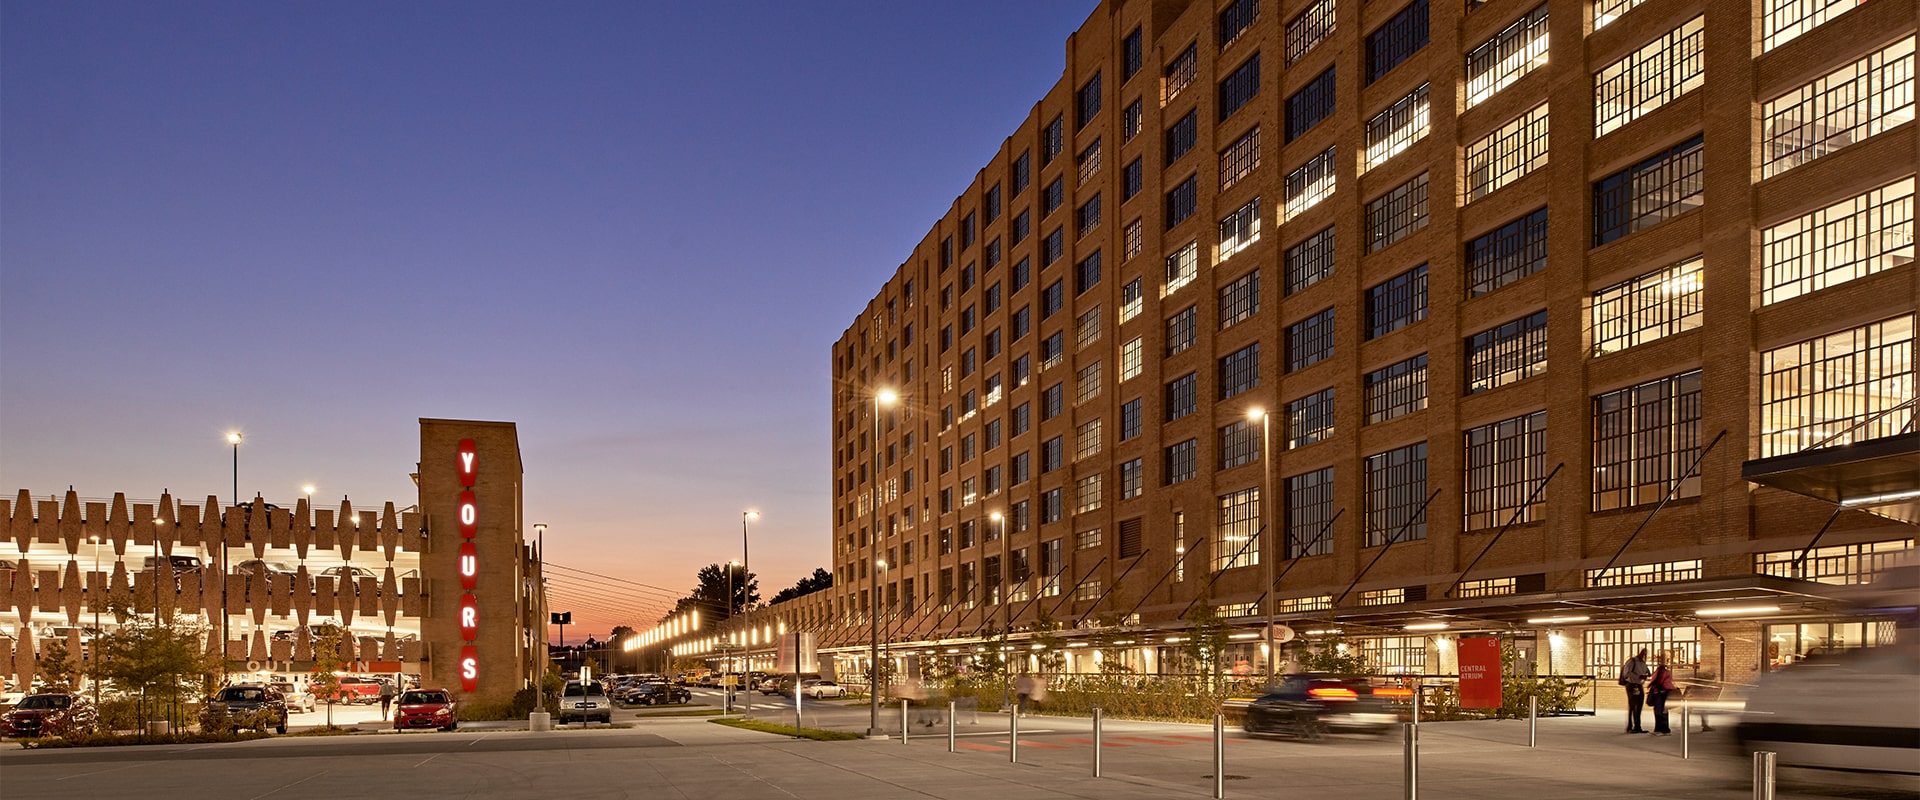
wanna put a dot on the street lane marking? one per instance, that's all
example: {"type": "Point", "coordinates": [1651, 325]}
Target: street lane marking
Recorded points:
{"type": "Point", "coordinates": [430, 758]}
{"type": "Point", "coordinates": [98, 771]}
{"type": "Point", "coordinates": [477, 739]}
{"type": "Point", "coordinates": [295, 783]}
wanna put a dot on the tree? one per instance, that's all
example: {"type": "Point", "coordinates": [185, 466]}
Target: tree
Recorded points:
{"type": "Point", "coordinates": [56, 665]}
{"type": "Point", "coordinates": [709, 596]}
{"type": "Point", "coordinates": [152, 656]}
{"type": "Point", "coordinates": [1336, 656]}
{"type": "Point", "coordinates": [1206, 640]}
{"type": "Point", "coordinates": [820, 579]}
{"type": "Point", "coordinates": [325, 678]}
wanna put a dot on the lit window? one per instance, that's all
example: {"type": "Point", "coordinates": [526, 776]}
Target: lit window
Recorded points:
{"type": "Point", "coordinates": [1838, 389]}
{"type": "Point", "coordinates": [1310, 419]}
{"type": "Point", "coordinates": [1086, 439]}
{"type": "Point", "coordinates": [1237, 526]}
{"type": "Point", "coordinates": [1846, 106]}
{"type": "Point", "coordinates": [1309, 184]}
{"type": "Point", "coordinates": [1309, 28]}
{"type": "Point", "coordinates": [1131, 361]}
{"type": "Point", "coordinates": [1650, 77]}
{"type": "Point", "coordinates": [1782, 21]}
{"type": "Point", "coordinates": [1498, 62]}
{"type": "Point", "coordinates": [1505, 463]}
{"type": "Point", "coordinates": [1087, 383]}
{"type": "Point", "coordinates": [1179, 74]}
{"type": "Point", "coordinates": [1182, 267]}
{"type": "Point", "coordinates": [1851, 239]}
{"type": "Point", "coordinates": [1397, 128]}
{"type": "Point", "coordinates": [1509, 153]}
{"type": "Point", "coordinates": [1606, 11]}
{"type": "Point", "coordinates": [1510, 352]}
{"type": "Point", "coordinates": [1653, 306]}
{"type": "Point", "coordinates": [1087, 494]}
{"type": "Point", "coordinates": [1240, 229]}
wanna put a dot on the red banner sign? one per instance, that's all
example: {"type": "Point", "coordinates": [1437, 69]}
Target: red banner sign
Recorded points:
{"type": "Point", "coordinates": [1480, 672]}
{"type": "Point", "coordinates": [469, 617]}
{"type": "Point", "coordinates": [469, 511]}
{"type": "Point", "coordinates": [469, 565]}
{"type": "Point", "coordinates": [469, 461]}
{"type": "Point", "coordinates": [469, 668]}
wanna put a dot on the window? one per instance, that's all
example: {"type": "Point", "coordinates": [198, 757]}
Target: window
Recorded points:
{"type": "Point", "coordinates": [1239, 87]}
{"type": "Point", "coordinates": [1052, 140]}
{"type": "Point", "coordinates": [1510, 352]}
{"type": "Point", "coordinates": [1088, 592]}
{"type": "Point", "coordinates": [1505, 463]}
{"type": "Point", "coordinates": [1133, 239]}
{"type": "Point", "coordinates": [1022, 467]}
{"type": "Point", "coordinates": [1022, 418]}
{"type": "Point", "coordinates": [1838, 389]}
{"type": "Point", "coordinates": [1133, 178]}
{"type": "Point", "coordinates": [1239, 444]}
{"type": "Point", "coordinates": [1053, 401]}
{"type": "Point", "coordinates": [1310, 341]}
{"type": "Point", "coordinates": [1240, 299]}
{"type": "Point", "coordinates": [1488, 587]}
{"type": "Point", "coordinates": [1182, 267]}
{"type": "Point", "coordinates": [1648, 193]}
{"type": "Point", "coordinates": [1240, 370]}
{"type": "Point", "coordinates": [1240, 229]}
{"type": "Point", "coordinates": [1131, 300]}
{"type": "Point", "coordinates": [1606, 11]}
{"type": "Point", "coordinates": [1131, 419]}
{"type": "Point", "coordinates": [1130, 529]}
{"type": "Point", "coordinates": [1021, 226]}
{"type": "Point", "coordinates": [1309, 261]}
{"type": "Point", "coordinates": [1131, 359]}
{"type": "Point", "coordinates": [1309, 184]}
{"type": "Point", "coordinates": [1182, 330]}
{"type": "Point", "coordinates": [1182, 201]}
{"type": "Point", "coordinates": [1022, 272]}
{"type": "Point", "coordinates": [1087, 540]}
{"type": "Point", "coordinates": [992, 203]}
{"type": "Point", "coordinates": [1181, 461]}
{"type": "Point", "coordinates": [1132, 58]}
{"type": "Point", "coordinates": [1087, 383]}
{"type": "Point", "coordinates": [1308, 29]}
{"type": "Point", "coordinates": [1022, 322]}
{"type": "Point", "coordinates": [1397, 303]}
{"type": "Point", "coordinates": [1053, 196]}
{"type": "Point", "coordinates": [993, 254]}
{"type": "Point", "coordinates": [1309, 106]}
{"type": "Point", "coordinates": [1653, 306]}
{"type": "Point", "coordinates": [1515, 51]}
{"type": "Point", "coordinates": [1848, 105]}
{"type": "Point", "coordinates": [1645, 438]}
{"type": "Point", "coordinates": [1237, 527]}
{"type": "Point", "coordinates": [1782, 21]}
{"type": "Point", "coordinates": [1838, 565]}
{"type": "Point", "coordinates": [1053, 453]}
{"type": "Point", "coordinates": [1310, 419]}
{"type": "Point", "coordinates": [1851, 239]}
{"type": "Point", "coordinates": [1397, 214]}
{"type": "Point", "coordinates": [1130, 122]}
{"type": "Point", "coordinates": [1309, 513]}
{"type": "Point", "coordinates": [1183, 396]}
{"type": "Point", "coordinates": [1179, 74]}
{"type": "Point", "coordinates": [1087, 494]}
{"type": "Point", "coordinates": [1086, 274]}
{"type": "Point", "coordinates": [1509, 153]}
{"type": "Point", "coordinates": [1086, 102]}
{"type": "Point", "coordinates": [1022, 175]}
{"type": "Point", "coordinates": [1088, 164]}
{"type": "Point", "coordinates": [1086, 439]}
{"type": "Point", "coordinates": [1643, 574]}
{"type": "Point", "coordinates": [1507, 254]}
{"type": "Point", "coordinates": [1397, 127]}
{"type": "Point", "coordinates": [1397, 40]}
{"type": "Point", "coordinates": [1240, 159]}
{"type": "Point", "coordinates": [1182, 136]}
{"type": "Point", "coordinates": [1087, 328]}
{"type": "Point", "coordinates": [1052, 506]}
{"type": "Point", "coordinates": [1397, 389]}
{"type": "Point", "coordinates": [1397, 495]}
{"type": "Point", "coordinates": [1235, 19]}
{"type": "Point", "coordinates": [1052, 299]}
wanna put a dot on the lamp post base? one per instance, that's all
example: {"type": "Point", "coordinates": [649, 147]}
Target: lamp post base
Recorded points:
{"type": "Point", "coordinates": [539, 721]}
{"type": "Point", "coordinates": [876, 733]}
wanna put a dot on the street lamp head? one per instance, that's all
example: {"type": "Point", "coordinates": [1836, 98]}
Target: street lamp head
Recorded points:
{"type": "Point", "coordinates": [750, 514]}
{"type": "Point", "coordinates": [1256, 414]}
{"type": "Point", "coordinates": [880, 562]}
{"type": "Point", "coordinates": [886, 397]}
{"type": "Point", "coordinates": [995, 516]}
{"type": "Point", "coordinates": [94, 538]}
{"type": "Point", "coordinates": [733, 563]}
{"type": "Point", "coordinates": [234, 437]}
{"type": "Point", "coordinates": [307, 490]}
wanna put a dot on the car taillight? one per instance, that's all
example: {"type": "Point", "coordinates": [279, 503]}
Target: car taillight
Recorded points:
{"type": "Point", "coordinates": [1393, 692]}
{"type": "Point", "coordinates": [1333, 693]}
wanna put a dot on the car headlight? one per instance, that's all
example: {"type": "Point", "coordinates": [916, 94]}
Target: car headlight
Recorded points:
{"type": "Point", "coordinates": [442, 712]}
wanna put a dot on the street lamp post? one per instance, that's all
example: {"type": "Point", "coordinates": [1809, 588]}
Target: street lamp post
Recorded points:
{"type": "Point", "coordinates": [746, 575]}
{"type": "Point", "coordinates": [1268, 505]}
{"type": "Point", "coordinates": [541, 654]}
{"type": "Point", "coordinates": [1006, 607]}
{"type": "Point", "coordinates": [93, 599]}
{"type": "Point", "coordinates": [233, 438]}
{"type": "Point", "coordinates": [883, 397]}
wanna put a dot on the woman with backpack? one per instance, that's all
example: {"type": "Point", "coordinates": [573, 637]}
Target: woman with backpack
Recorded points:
{"type": "Point", "coordinates": [1658, 688]}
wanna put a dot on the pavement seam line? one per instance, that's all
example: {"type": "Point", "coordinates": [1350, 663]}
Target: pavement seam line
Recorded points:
{"type": "Point", "coordinates": [288, 785]}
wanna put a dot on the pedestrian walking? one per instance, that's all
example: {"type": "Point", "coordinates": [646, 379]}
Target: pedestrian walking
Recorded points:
{"type": "Point", "coordinates": [1023, 689]}
{"type": "Point", "coordinates": [386, 697]}
{"type": "Point", "coordinates": [1658, 688]}
{"type": "Point", "coordinates": [1633, 676]}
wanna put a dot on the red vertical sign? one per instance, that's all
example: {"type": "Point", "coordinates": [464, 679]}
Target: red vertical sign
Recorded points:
{"type": "Point", "coordinates": [469, 668]}
{"type": "Point", "coordinates": [1480, 672]}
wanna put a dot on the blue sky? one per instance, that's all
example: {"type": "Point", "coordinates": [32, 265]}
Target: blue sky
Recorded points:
{"type": "Point", "coordinates": [633, 228]}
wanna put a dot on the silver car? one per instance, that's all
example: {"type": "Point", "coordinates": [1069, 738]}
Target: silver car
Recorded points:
{"type": "Point", "coordinates": [585, 702]}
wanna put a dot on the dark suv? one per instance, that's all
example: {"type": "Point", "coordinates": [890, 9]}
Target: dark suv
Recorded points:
{"type": "Point", "coordinates": [245, 706]}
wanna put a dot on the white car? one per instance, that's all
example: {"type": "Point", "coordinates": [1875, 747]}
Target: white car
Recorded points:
{"type": "Point", "coordinates": [822, 689]}
{"type": "Point", "coordinates": [586, 702]}
{"type": "Point", "coordinates": [298, 702]}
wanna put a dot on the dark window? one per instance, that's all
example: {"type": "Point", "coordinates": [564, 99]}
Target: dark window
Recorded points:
{"type": "Point", "coordinates": [993, 253]}
{"type": "Point", "coordinates": [1644, 438]}
{"type": "Point", "coordinates": [1183, 396]}
{"type": "Point", "coordinates": [1022, 322]}
{"type": "Point", "coordinates": [1130, 419]}
{"type": "Point", "coordinates": [1240, 370]}
{"type": "Point", "coordinates": [1313, 103]}
{"type": "Point", "coordinates": [1240, 299]}
{"type": "Point", "coordinates": [1649, 192]}
{"type": "Point", "coordinates": [1053, 196]}
{"type": "Point", "coordinates": [1182, 330]}
{"type": "Point", "coordinates": [1052, 299]}
{"type": "Point", "coordinates": [1022, 225]}
{"type": "Point", "coordinates": [1053, 140]}
{"type": "Point", "coordinates": [1397, 40]}
{"type": "Point", "coordinates": [1130, 122]}
{"type": "Point", "coordinates": [967, 230]}
{"type": "Point", "coordinates": [1511, 352]}
{"type": "Point", "coordinates": [946, 253]}
{"type": "Point", "coordinates": [993, 202]}
{"type": "Point", "coordinates": [1241, 158]}
{"type": "Point", "coordinates": [1086, 274]}
{"type": "Point", "coordinates": [1239, 444]}
{"type": "Point", "coordinates": [1051, 507]}
{"type": "Point", "coordinates": [1183, 201]}
{"type": "Point", "coordinates": [1134, 179]}
{"type": "Point", "coordinates": [1180, 74]}
{"type": "Point", "coordinates": [1398, 302]}
{"type": "Point", "coordinates": [1182, 136]}
{"type": "Point", "coordinates": [1182, 461]}
{"type": "Point", "coordinates": [1087, 102]}
{"type": "Point", "coordinates": [1086, 217]}
{"type": "Point", "coordinates": [1396, 494]}
{"type": "Point", "coordinates": [1397, 389]}
{"type": "Point", "coordinates": [1310, 341]}
{"type": "Point", "coordinates": [1504, 462]}
{"type": "Point", "coordinates": [1397, 214]}
{"type": "Point", "coordinates": [1507, 254]}
{"type": "Point", "coordinates": [1130, 529]}
{"type": "Point", "coordinates": [1310, 419]}
{"type": "Point", "coordinates": [1022, 173]}
{"type": "Point", "coordinates": [1052, 454]}
{"type": "Point", "coordinates": [1052, 248]}
{"type": "Point", "coordinates": [1240, 87]}
{"type": "Point", "coordinates": [1310, 513]}
{"type": "Point", "coordinates": [1236, 18]}
{"type": "Point", "coordinates": [1309, 261]}
{"type": "Point", "coordinates": [1132, 57]}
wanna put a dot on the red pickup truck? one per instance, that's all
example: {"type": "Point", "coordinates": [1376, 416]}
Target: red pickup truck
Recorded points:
{"type": "Point", "coordinates": [353, 690]}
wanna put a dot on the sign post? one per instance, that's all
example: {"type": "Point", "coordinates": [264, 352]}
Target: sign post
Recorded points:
{"type": "Point", "coordinates": [1480, 672]}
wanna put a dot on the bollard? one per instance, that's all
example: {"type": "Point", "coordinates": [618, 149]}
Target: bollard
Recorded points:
{"type": "Point", "coordinates": [1763, 775]}
{"type": "Point", "coordinates": [1418, 690]}
{"type": "Point", "coordinates": [903, 721]}
{"type": "Point", "coordinates": [1096, 741]}
{"type": "Point", "coordinates": [1219, 755]}
{"type": "Point", "coordinates": [951, 708]}
{"type": "Point", "coordinates": [1686, 728]}
{"type": "Point", "coordinates": [1013, 735]}
{"type": "Point", "coordinates": [1411, 780]}
{"type": "Point", "coordinates": [1533, 721]}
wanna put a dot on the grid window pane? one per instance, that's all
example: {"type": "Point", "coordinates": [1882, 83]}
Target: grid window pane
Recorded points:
{"type": "Point", "coordinates": [1183, 201]}
{"type": "Point", "coordinates": [1183, 396]}
{"type": "Point", "coordinates": [1239, 444]}
{"type": "Point", "coordinates": [1851, 239]}
{"type": "Point", "coordinates": [1240, 370]}
{"type": "Point", "coordinates": [1240, 86]}
{"type": "Point", "coordinates": [1309, 28]}
{"type": "Point", "coordinates": [1397, 214]}
{"type": "Point", "coordinates": [1131, 360]}
{"type": "Point", "coordinates": [1398, 302]}
{"type": "Point", "coordinates": [1182, 267]}
{"type": "Point", "coordinates": [1644, 438]}
{"type": "Point", "coordinates": [1131, 419]}
{"type": "Point", "coordinates": [1236, 18]}
{"type": "Point", "coordinates": [1515, 51]}
{"type": "Point", "coordinates": [1309, 512]}
{"type": "Point", "coordinates": [1510, 352]}
{"type": "Point", "coordinates": [1606, 11]}
{"type": "Point", "coordinates": [1648, 193]}
{"type": "Point", "coordinates": [1310, 341]}
{"type": "Point", "coordinates": [1313, 103]}
{"type": "Point", "coordinates": [1397, 495]}
{"type": "Point", "coordinates": [1309, 184]}
{"type": "Point", "coordinates": [1180, 74]}
{"type": "Point", "coordinates": [1133, 240]}
{"type": "Point", "coordinates": [1505, 462]}
{"type": "Point", "coordinates": [1237, 541]}
{"type": "Point", "coordinates": [1240, 159]}
{"type": "Point", "coordinates": [1310, 419]}
{"type": "Point", "coordinates": [1087, 216]}
{"type": "Point", "coordinates": [1397, 40]}
{"type": "Point", "coordinates": [1397, 127]}
{"type": "Point", "coordinates": [1087, 383]}
{"type": "Point", "coordinates": [1507, 254]}
{"type": "Point", "coordinates": [1181, 137]}
{"type": "Point", "coordinates": [1133, 178]}
{"type": "Point", "coordinates": [1838, 389]}
{"type": "Point", "coordinates": [1650, 77]}
{"type": "Point", "coordinates": [1309, 261]}
{"type": "Point", "coordinates": [1240, 299]}
{"type": "Point", "coordinates": [1397, 389]}
{"type": "Point", "coordinates": [1508, 154]}
{"type": "Point", "coordinates": [1087, 102]}
{"type": "Point", "coordinates": [1086, 439]}
{"type": "Point", "coordinates": [1087, 494]}
{"type": "Point", "coordinates": [1240, 229]}
{"type": "Point", "coordinates": [1782, 21]}
{"type": "Point", "coordinates": [1131, 474]}
{"type": "Point", "coordinates": [1182, 330]}
{"type": "Point", "coordinates": [1181, 461]}
{"type": "Point", "coordinates": [1653, 306]}
{"type": "Point", "coordinates": [1848, 105]}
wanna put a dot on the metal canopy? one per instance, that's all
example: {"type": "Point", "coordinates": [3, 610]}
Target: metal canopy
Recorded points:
{"type": "Point", "coordinates": [1880, 476]}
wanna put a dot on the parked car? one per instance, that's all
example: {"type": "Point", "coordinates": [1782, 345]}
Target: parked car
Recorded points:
{"type": "Point", "coordinates": [179, 564]}
{"type": "Point", "coordinates": [355, 689]}
{"type": "Point", "coordinates": [297, 701]}
{"type": "Point", "coordinates": [1310, 706]}
{"type": "Point", "coordinates": [659, 694]}
{"type": "Point", "coordinates": [354, 573]}
{"type": "Point", "coordinates": [245, 705]}
{"type": "Point", "coordinates": [261, 568]}
{"type": "Point", "coordinates": [426, 708]}
{"type": "Point", "coordinates": [63, 714]}
{"type": "Point", "coordinates": [584, 702]}
{"type": "Point", "coordinates": [818, 689]}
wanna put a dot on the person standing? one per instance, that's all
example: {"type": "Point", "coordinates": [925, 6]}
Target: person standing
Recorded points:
{"type": "Point", "coordinates": [1658, 688]}
{"type": "Point", "coordinates": [386, 697]}
{"type": "Point", "coordinates": [1633, 676]}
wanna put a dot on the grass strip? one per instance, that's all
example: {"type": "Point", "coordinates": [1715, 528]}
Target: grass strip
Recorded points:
{"type": "Point", "coordinates": [815, 734]}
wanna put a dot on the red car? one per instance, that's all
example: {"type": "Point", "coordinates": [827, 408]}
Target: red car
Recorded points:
{"type": "Point", "coordinates": [50, 714]}
{"type": "Point", "coordinates": [425, 708]}
{"type": "Point", "coordinates": [353, 690]}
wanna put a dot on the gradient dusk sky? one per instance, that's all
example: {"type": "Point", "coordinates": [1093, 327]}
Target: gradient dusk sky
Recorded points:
{"type": "Point", "coordinates": [634, 229]}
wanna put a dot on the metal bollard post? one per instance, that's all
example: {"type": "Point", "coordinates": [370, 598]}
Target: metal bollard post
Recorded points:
{"type": "Point", "coordinates": [1013, 736]}
{"type": "Point", "coordinates": [1533, 721]}
{"type": "Point", "coordinates": [1686, 728]}
{"type": "Point", "coordinates": [1763, 775]}
{"type": "Point", "coordinates": [1096, 741]}
{"type": "Point", "coordinates": [1411, 780]}
{"type": "Point", "coordinates": [1219, 755]}
{"type": "Point", "coordinates": [951, 708]}
{"type": "Point", "coordinates": [1418, 691]}
{"type": "Point", "coordinates": [903, 722]}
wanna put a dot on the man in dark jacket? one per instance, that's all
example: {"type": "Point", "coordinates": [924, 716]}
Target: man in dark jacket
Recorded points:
{"type": "Point", "coordinates": [1633, 676]}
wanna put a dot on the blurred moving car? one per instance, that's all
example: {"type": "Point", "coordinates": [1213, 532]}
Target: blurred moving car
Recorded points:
{"type": "Point", "coordinates": [584, 702]}
{"type": "Point", "coordinates": [1853, 712]}
{"type": "Point", "coordinates": [63, 714]}
{"type": "Point", "coordinates": [426, 708]}
{"type": "Point", "coordinates": [297, 700]}
{"type": "Point", "coordinates": [818, 689]}
{"type": "Point", "coordinates": [245, 706]}
{"type": "Point", "coordinates": [1310, 706]}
